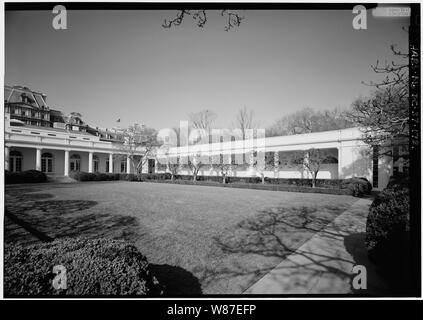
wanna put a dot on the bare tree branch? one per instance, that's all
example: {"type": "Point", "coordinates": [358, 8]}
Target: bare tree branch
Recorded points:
{"type": "Point", "coordinates": [200, 17]}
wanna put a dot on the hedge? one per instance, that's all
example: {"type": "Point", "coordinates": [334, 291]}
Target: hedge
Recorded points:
{"type": "Point", "coordinates": [29, 176]}
{"type": "Point", "coordinates": [98, 176]}
{"type": "Point", "coordinates": [85, 176]}
{"type": "Point", "coordinates": [398, 182]}
{"type": "Point", "coordinates": [93, 267]}
{"type": "Point", "coordinates": [260, 186]}
{"type": "Point", "coordinates": [354, 186]}
{"type": "Point", "coordinates": [388, 224]}
{"type": "Point", "coordinates": [358, 186]}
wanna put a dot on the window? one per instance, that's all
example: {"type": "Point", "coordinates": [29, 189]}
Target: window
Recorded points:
{"type": "Point", "coordinates": [15, 164]}
{"type": "Point", "coordinates": [107, 165]}
{"type": "Point", "coordinates": [123, 166]}
{"type": "Point", "coordinates": [47, 162]}
{"type": "Point", "coordinates": [95, 163]}
{"type": "Point", "coordinates": [75, 162]}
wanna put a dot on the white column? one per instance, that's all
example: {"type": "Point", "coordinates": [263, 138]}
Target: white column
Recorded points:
{"type": "Point", "coordinates": [90, 162]}
{"type": "Point", "coordinates": [128, 165]}
{"type": "Point", "coordinates": [6, 159]}
{"type": "Point", "coordinates": [38, 159]}
{"type": "Point", "coordinates": [66, 163]}
{"type": "Point", "coordinates": [340, 175]}
{"type": "Point", "coordinates": [110, 163]}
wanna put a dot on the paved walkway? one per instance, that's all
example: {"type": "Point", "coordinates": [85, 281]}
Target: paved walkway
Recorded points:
{"type": "Point", "coordinates": [324, 264]}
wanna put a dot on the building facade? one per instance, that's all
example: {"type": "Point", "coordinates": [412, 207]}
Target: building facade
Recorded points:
{"type": "Point", "coordinates": [41, 138]}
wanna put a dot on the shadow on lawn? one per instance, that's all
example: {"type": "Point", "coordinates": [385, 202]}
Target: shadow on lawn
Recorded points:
{"type": "Point", "coordinates": [275, 234]}
{"type": "Point", "coordinates": [49, 219]}
{"type": "Point", "coordinates": [69, 218]}
{"type": "Point", "coordinates": [176, 280]}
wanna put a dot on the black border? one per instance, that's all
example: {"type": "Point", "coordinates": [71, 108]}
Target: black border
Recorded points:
{"type": "Point", "coordinates": [415, 158]}
{"type": "Point", "coordinates": [414, 146]}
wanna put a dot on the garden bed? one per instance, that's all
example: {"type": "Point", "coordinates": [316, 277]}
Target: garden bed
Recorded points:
{"type": "Point", "coordinates": [355, 186]}
{"type": "Point", "coordinates": [270, 187]}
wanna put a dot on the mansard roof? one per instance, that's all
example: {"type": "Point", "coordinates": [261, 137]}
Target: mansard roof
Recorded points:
{"type": "Point", "coordinates": [23, 95]}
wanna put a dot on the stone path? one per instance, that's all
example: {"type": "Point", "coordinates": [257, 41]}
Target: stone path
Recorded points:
{"type": "Point", "coordinates": [324, 264]}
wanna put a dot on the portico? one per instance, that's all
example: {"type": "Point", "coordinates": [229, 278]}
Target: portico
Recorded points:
{"type": "Point", "coordinates": [59, 155]}
{"type": "Point", "coordinates": [58, 152]}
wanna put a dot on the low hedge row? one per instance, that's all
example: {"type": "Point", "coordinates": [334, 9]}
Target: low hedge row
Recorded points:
{"type": "Point", "coordinates": [354, 186]}
{"type": "Point", "coordinates": [259, 186]}
{"type": "Point", "coordinates": [93, 267]}
{"type": "Point", "coordinates": [85, 176]}
{"type": "Point", "coordinates": [29, 176]}
{"type": "Point", "coordinates": [99, 176]}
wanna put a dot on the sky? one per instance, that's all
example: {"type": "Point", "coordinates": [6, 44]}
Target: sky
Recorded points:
{"type": "Point", "coordinates": [111, 65]}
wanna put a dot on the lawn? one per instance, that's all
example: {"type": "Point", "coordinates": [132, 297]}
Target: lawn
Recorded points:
{"type": "Point", "coordinates": [199, 239]}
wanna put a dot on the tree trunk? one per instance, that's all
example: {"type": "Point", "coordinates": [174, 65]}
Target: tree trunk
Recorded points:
{"type": "Point", "coordinates": [313, 181]}
{"type": "Point", "coordinates": [139, 173]}
{"type": "Point", "coordinates": [223, 178]}
{"type": "Point", "coordinates": [172, 177]}
{"type": "Point", "coordinates": [262, 179]}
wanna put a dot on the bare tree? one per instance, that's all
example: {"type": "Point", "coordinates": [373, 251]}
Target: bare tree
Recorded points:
{"type": "Point", "coordinates": [233, 18]}
{"type": "Point", "coordinates": [203, 120]}
{"type": "Point", "coordinates": [311, 160]}
{"type": "Point", "coordinates": [384, 116]}
{"type": "Point", "coordinates": [244, 120]}
{"type": "Point", "coordinates": [195, 162]}
{"type": "Point", "coordinates": [224, 166]}
{"type": "Point", "coordinates": [173, 165]}
{"type": "Point", "coordinates": [139, 143]}
{"type": "Point", "coordinates": [172, 162]}
{"type": "Point", "coordinates": [308, 120]}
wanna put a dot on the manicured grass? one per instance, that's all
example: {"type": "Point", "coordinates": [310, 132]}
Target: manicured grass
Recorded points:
{"type": "Point", "coordinates": [200, 239]}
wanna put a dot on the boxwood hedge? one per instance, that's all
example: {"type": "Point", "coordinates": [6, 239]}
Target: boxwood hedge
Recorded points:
{"type": "Point", "coordinates": [354, 186]}
{"type": "Point", "coordinates": [93, 267]}
{"type": "Point", "coordinates": [29, 176]}
{"type": "Point", "coordinates": [388, 225]}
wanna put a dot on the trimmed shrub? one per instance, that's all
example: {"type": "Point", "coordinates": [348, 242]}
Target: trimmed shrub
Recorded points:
{"type": "Point", "coordinates": [388, 234]}
{"type": "Point", "coordinates": [29, 176]}
{"type": "Point", "coordinates": [388, 224]}
{"type": "Point", "coordinates": [98, 176]}
{"type": "Point", "coordinates": [131, 177]}
{"type": "Point", "coordinates": [82, 176]}
{"type": "Point", "coordinates": [157, 176]}
{"type": "Point", "coordinates": [93, 267]}
{"type": "Point", "coordinates": [399, 182]}
{"type": "Point", "coordinates": [357, 186]}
